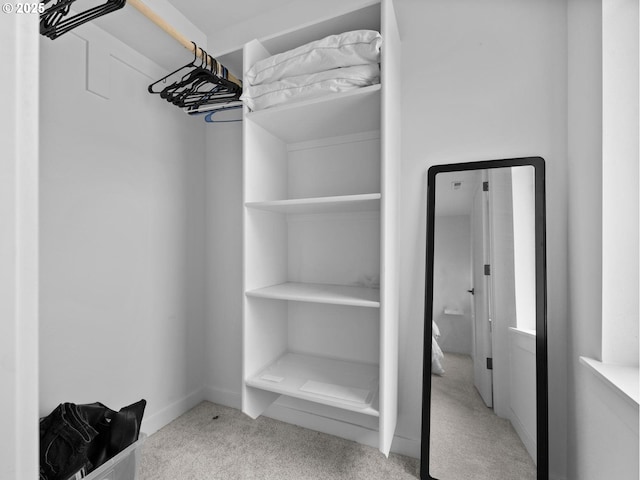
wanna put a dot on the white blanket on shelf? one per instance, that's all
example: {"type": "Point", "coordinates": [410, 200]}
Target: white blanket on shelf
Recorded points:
{"type": "Point", "coordinates": [305, 87]}
{"type": "Point", "coordinates": [358, 47]}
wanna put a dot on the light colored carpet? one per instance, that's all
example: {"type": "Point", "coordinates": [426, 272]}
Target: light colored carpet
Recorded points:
{"type": "Point", "coordinates": [196, 446]}
{"type": "Point", "coordinates": [468, 441]}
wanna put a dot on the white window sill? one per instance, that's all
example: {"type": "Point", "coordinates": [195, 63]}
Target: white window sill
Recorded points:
{"type": "Point", "coordinates": [623, 379]}
{"type": "Point", "coordinates": [531, 333]}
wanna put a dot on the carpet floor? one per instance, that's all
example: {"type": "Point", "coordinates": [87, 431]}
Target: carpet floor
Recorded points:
{"type": "Point", "coordinates": [468, 440]}
{"type": "Point", "coordinates": [212, 442]}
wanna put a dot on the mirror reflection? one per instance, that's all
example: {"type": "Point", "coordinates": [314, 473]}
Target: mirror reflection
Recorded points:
{"type": "Point", "coordinates": [483, 382]}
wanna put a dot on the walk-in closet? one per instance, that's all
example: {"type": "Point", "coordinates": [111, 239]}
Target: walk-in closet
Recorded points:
{"type": "Point", "coordinates": [138, 284]}
{"type": "Point", "coordinates": [226, 213]}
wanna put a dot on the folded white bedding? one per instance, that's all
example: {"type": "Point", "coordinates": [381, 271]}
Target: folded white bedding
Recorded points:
{"type": "Point", "coordinates": [436, 352]}
{"type": "Point", "coordinates": [357, 47]}
{"type": "Point", "coordinates": [305, 87]}
{"type": "Point", "coordinates": [436, 358]}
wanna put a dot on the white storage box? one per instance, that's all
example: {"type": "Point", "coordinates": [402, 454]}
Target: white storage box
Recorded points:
{"type": "Point", "coordinates": [124, 466]}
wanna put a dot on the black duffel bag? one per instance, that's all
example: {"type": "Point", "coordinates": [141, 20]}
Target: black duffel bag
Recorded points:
{"type": "Point", "coordinates": [76, 439]}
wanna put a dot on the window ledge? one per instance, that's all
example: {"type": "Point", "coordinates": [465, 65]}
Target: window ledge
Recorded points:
{"type": "Point", "coordinates": [623, 379]}
{"type": "Point", "coordinates": [531, 333]}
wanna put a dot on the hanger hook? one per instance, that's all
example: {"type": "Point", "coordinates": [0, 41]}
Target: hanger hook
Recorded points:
{"type": "Point", "coordinates": [195, 53]}
{"type": "Point", "coordinates": [203, 58]}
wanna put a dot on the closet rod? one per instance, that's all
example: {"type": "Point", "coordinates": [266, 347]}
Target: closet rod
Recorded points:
{"type": "Point", "coordinates": [184, 41]}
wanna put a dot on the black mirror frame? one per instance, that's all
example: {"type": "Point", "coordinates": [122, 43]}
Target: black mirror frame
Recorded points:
{"type": "Point", "coordinates": [542, 407]}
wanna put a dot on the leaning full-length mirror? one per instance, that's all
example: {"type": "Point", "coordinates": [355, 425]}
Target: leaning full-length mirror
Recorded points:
{"type": "Point", "coordinates": [485, 366]}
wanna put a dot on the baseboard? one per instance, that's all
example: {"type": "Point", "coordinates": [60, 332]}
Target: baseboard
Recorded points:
{"type": "Point", "coordinates": [528, 441]}
{"type": "Point", "coordinates": [153, 423]}
{"type": "Point", "coordinates": [223, 397]}
{"type": "Point", "coordinates": [408, 447]}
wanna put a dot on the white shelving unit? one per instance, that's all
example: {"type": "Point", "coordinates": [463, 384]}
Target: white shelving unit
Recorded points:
{"type": "Point", "coordinates": [320, 252]}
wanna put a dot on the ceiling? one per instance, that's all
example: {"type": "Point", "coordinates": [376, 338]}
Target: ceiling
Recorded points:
{"type": "Point", "coordinates": [455, 191]}
{"type": "Point", "coordinates": [212, 15]}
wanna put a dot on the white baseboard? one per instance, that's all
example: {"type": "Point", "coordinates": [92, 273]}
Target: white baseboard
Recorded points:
{"type": "Point", "coordinates": [528, 440]}
{"type": "Point", "coordinates": [153, 423]}
{"type": "Point", "coordinates": [222, 397]}
{"type": "Point", "coordinates": [408, 447]}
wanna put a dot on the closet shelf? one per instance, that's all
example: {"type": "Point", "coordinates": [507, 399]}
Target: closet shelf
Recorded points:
{"type": "Point", "coordinates": [320, 293]}
{"type": "Point", "coordinates": [338, 383]}
{"type": "Point", "coordinates": [344, 203]}
{"type": "Point", "coordinates": [334, 115]}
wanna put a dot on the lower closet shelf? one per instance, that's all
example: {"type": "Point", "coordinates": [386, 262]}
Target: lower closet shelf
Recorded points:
{"type": "Point", "coordinates": [321, 293]}
{"type": "Point", "coordinates": [338, 383]}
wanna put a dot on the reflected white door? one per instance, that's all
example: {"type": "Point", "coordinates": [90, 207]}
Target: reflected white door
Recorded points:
{"type": "Point", "coordinates": [482, 376]}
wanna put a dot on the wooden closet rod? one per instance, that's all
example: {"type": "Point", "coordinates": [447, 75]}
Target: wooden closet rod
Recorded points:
{"type": "Point", "coordinates": [182, 40]}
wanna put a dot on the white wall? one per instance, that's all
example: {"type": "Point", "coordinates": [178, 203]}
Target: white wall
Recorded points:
{"type": "Point", "coordinates": [605, 439]}
{"type": "Point", "coordinates": [19, 247]}
{"type": "Point", "coordinates": [522, 387]}
{"type": "Point", "coordinates": [620, 166]}
{"type": "Point", "coordinates": [224, 263]}
{"type": "Point", "coordinates": [122, 233]}
{"type": "Point", "coordinates": [603, 435]}
{"type": "Point", "coordinates": [290, 15]}
{"type": "Point", "coordinates": [524, 254]}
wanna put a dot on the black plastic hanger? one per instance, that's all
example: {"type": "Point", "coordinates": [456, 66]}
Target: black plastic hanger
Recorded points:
{"type": "Point", "coordinates": [55, 20]}
{"type": "Point", "coordinates": [197, 84]}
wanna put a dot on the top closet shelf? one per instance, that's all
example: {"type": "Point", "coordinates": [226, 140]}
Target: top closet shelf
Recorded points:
{"type": "Point", "coordinates": [336, 204]}
{"type": "Point", "coordinates": [333, 115]}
